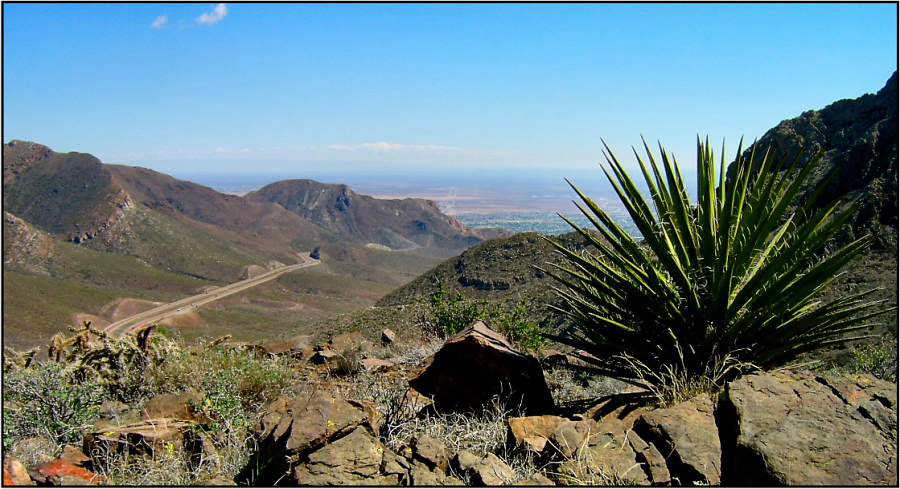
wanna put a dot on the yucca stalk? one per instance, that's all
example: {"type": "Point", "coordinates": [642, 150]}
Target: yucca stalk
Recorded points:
{"type": "Point", "coordinates": [733, 278]}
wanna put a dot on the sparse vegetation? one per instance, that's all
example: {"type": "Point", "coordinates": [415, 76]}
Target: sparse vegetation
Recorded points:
{"type": "Point", "coordinates": [716, 288]}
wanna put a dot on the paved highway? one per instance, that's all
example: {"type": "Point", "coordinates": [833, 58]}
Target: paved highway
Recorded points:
{"type": "Point", "coordinates": [185, 305]}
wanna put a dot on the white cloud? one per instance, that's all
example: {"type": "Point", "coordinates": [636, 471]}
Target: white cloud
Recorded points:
{"type": "Point", "coordinates": [385, 147]}
{"type": "Point", "coordinates": [214, 16]}
{"type": "Point", "coordinates": [160, 22]}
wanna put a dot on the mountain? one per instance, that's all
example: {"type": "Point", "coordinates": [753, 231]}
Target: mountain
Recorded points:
{"type": "Point", "coordinates": [71, 195]}
{"type": "Point", "coordinates": [79, 235]}
{"type": "Point", "coordinates": [859, 139]}
{"type": "Point", "coordinates": [392, 223]}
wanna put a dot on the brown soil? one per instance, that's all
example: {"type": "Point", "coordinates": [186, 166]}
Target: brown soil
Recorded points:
{"type": "Point", "coordinates": [98, 322]}
{"type": "Point", "coordinates": [126, 307]}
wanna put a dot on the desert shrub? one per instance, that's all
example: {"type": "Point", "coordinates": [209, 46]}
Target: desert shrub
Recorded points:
{"type": "Point", "coordinates": [717, 287]}
{"type": "Point", "coordinates": [878, 360]}
{"type": "Point", "coordinates": [48, 400]}
{"type": "Point", "coordinates": [348, 362]}
{"type": "Point", "coordinates": [524, 334]}
{"type": "Point", "coordinates": [451, 313]}
{"type": "Point", "coordinates": [236, 384]}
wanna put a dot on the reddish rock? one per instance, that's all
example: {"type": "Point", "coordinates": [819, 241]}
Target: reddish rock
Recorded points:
{"type": "Point", "coordinates": [388, 337]}
{"type": "Point", "coordinates": [531, 432]}
{"type": "Point", "coordinates": [15, 473]}
{"type": "Point", "coordinates": [478, 366]}
{"type": "Point", "coordinates": [59, 468]}
{"type": "Point", "coordinates": [352, 460]}
{"type": "Point", "coordinates": [431, 451]}
{"type": "Point", "coordinates": [373, 365]}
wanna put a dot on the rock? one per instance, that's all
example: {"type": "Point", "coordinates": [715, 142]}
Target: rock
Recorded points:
{"type": "Point", "coordinates": [431, 451]}
{"type": "Point", "coordinates": [218, 481]}
{"type": "Point", "coordinates": [536, 479]}
{"type": "Point", "coordinates": [292, 427]}
{"type": "Point", "coordinates": [570, 436]}
{"type": "Point", "coordinates": [421, 475]}
{"type": "Point", "coordinates": [373, 365]}
{"type": "Point", "coordinates": [531, 432]}
{"type": "Point", "coordinates": [36, 450]}
{"type": "Point", "coordinates": [113, 409]}
{"type": "Point", "coordinates": [74, 455]}
{"type": "Point", "coordinates": [608, 458]}
{"type": "Point", "coordinates": [482, 471]}
{"type": "Point", "coordinates": [687, 437]}
{"type": "Point", "coordinates": [15, 473]}
{"type": "Point", "coordinates": [799, 429]}
{"type": "Point", "coordinates": [394, 464]}
{"type": "Point", "coordinates": [388, 337]}
{"type": "Point", "coordinates": [352, 460]}
{"type": "Point", "coordinates": [184, 406]}
{"type": "Point", "coordinates": [349, 341]}
{"type": "Point", "coordinates": [478, 365]}
{"type": "Point", "coordinates": [59, 472]}
{"type": "Point", "coordinates": [297, 347]}
{"type": "Point", "coordinates": [140, 438]}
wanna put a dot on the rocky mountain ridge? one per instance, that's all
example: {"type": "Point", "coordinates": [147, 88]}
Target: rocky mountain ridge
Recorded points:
{"type": "Point", "coordinates": [394, 223]}
{"type": "Point", "coordinates": [858, 138]}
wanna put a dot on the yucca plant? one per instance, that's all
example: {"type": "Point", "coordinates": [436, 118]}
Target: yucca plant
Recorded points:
{"type": "Point", "coordinates": [717, 287]}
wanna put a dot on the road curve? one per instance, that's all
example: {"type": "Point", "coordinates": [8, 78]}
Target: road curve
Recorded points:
{"type": "Point", "coordinates": [174, 308]}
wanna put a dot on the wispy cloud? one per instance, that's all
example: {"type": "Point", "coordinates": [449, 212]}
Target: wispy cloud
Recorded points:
{"type": "Point", "coordinates": [395, 147]}
{"type": "Point", "coordinates": [160, 22]}
{"type": "Point", "coordinates": [214, 16]}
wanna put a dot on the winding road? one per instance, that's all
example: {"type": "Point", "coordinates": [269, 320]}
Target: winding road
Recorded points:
{"type": "Point", "coordinates": [186, 305]}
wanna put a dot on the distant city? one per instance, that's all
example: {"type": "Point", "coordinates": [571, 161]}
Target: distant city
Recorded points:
{"type": "Point", "coordinates": [527, 201]}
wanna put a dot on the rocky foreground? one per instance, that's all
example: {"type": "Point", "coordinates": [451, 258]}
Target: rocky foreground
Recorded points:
{"type": "Point", "coordinates": [774, 428]}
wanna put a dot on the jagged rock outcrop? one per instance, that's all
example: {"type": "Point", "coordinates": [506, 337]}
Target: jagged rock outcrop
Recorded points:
{"type": "Point", "coordinates": [859, 137]}
{"type": "Point", "coordinates": [477, 367]}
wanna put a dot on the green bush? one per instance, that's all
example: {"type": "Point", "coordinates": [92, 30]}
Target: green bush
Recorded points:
{"type": "Point", "coordinates": [46, 400]}
{"type": "Point", "coordinates": [717, 287]}
{"type": "Point", "coordinates": [450, 314]}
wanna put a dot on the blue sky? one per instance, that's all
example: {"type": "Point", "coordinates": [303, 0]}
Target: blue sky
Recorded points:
{"type": "Point", "coordinates": [423, 87]}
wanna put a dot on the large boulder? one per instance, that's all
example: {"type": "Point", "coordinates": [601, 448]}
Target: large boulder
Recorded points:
{"type": "Point", "coordinates": [355, 459]}
{"type": "Point", "coordinates": [687, 437]}
{"type": "Point", "coordinates": [478, 366]}
{"type": "Point", "coordinates": [292, 428]}
{"type": "Point", "coordinates": [800, 429]}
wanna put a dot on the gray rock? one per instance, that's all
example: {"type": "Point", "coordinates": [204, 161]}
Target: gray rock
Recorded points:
{"type": "Point", "coordinates": [798, 429]}
{"type": "Point", "coordinates": [352, 460]}
{"type": "Point", "coordinates": [296, 426]}
{"type": "Point", "coordinates": [687, 437]}
{"type": "Point", "coordinates": [482, 471]}
{"type": "Point", "coordinates": [431, 451]}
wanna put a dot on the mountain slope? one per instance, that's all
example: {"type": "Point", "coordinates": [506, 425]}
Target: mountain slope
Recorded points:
{"type": "Point", "coordinates": [68, 194]}
{"type": "Point", "coordinates": [859, 138]}
{"type": "Point", "coordinates": [396, 224]}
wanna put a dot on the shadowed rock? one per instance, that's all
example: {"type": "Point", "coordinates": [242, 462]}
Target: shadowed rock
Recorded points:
{"type": "Point", "coordinates": [478, 366]}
